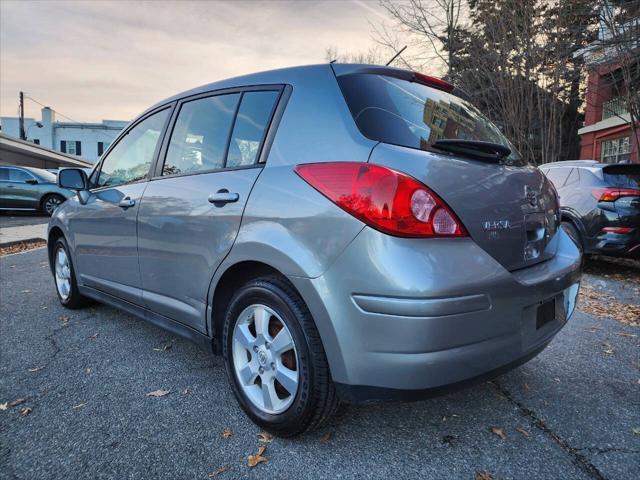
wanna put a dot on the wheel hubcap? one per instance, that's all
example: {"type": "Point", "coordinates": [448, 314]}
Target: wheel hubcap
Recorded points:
{"type": "Point", "coordinates": [51, 204]}
{"type": "Point", "coordinates": [62, 273]}
{"type": "Point", "coordinates": [265, 359]}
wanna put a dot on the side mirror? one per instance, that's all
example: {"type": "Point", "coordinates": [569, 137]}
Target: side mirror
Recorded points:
{"type": "Point", "coordinates": [31, 181]}
{"type": "Point", "coordinates": [73, 179]}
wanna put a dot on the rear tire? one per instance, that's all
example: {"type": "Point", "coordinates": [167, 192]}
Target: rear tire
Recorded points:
{"type": "Point", "coordinates": [50, 202]}
{"type": "Point", "coordinates": [65, 276]}
{"type": "Point", "coordinates": [245, 349]}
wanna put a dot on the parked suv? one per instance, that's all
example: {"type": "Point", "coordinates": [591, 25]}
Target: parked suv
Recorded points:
{"type": "Point", "coordinates": [336, 232]}
{"type": "Point", "coordinates": [600, 205]}
{"type": "Point", "coordinates": [26, 188]}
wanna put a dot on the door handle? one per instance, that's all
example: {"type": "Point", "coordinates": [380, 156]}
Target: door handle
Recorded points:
{"type": "Point", "coordinates": [222, 197]}
{"type": "Point", "coordinates": [127, 202]}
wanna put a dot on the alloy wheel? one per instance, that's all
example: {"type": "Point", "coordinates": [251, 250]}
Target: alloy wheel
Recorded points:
{"type": "Point", "coordinates": [265, 359]}
{"type": "Point", "coordinates": [63, 273]}
{"type": "Point", "coordinates": [51, 204]}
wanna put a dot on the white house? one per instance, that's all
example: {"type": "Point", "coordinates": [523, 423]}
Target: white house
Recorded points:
{"type": "Point", "coordinates": [86, 140]}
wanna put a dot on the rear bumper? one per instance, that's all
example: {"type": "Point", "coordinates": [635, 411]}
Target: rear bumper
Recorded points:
{"type": "Point", "coordinates": [400, 315]}
{"type": "Point", "coordinates": [616, 244]}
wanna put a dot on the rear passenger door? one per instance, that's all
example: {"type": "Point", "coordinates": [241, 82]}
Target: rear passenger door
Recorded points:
{"type": "Point", "coordinates": [191, 210]}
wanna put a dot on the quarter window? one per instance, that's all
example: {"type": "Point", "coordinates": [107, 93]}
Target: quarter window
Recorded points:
{"type": "Point", "coordinates": [251, 123]}
{"type": "Point", "coordinates": [131, 158]}
{"type": "Point", "coordinates": [4, 174]}
{"type": "Point", "coordinates": [200, 135]}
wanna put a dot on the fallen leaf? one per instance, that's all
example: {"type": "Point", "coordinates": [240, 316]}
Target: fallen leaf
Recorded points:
{"type": "Point", "coordinates": [4, 406]}
{"type": "Point", "coordinates": [164, 348]}
{"type": "Point", "coordinates": [265, 437]}
{"type": "Point", "coordinates": [63, 318]}
{"type": "Point", "coordinates": [88, 370]}
{"type": "Point", "coordinates": [499, 431]}
{"type": "Point", "coordinates": [26, 411]}
{"type": "Point", "coordinates": [526, 386]}
{"type": "Point", "coordinates": [217, 472]}
{"type": "Point", "coordinates": [80, 405]}
{"type": "Point", "coordinates": [624, 334]}
{"type": "Point", "coordinates": [608, 349]}
{"type": "Point", "coordinates": [94, 336]}
{"type": "Point", "coordinates": [557, 379]}
{"type": "Point", "coordinates": [44, 307]}
{"type": "Point", "coordinates": [522, 431]}
{"type": "Point", "coordinates": [36, 369]}
{"type": "Point", "coordinates": [158, 393]}
{"type": "Point", "coordinates": [636, 431]}
{"type": "Point", "coordinates": [326, 437]}
{"type": "Point", "coordinates": [185, 391]}
{"type": "Point", "coordinates": [16, 402]}
{"type": "Point", "coordinates": [227, 432]}
{"type": "Point", "coordinates": [254, 460]}
{"type": "Point", "coordinates": [483, 475]}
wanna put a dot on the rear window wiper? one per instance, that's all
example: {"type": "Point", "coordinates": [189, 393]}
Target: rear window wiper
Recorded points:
{"type": "Point", "coordinates": [485, 151]}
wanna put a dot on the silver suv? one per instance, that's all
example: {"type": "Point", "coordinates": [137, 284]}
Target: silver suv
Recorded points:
{"type": "Point", "coordinates": [336, 232]}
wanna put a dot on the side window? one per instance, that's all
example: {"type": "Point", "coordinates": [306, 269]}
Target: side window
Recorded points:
{"type": "Point", "coordinates": [199, 138]}
{"type": "Point", "coordinates": [131, 158]}
{"type": "Point", "coordinates": [251, 123]}
{"type": "Point", "coordinates": [558, 176]}
{"type": "Point", "coordinates": [574, 177]}
{"type": "Point", "coordinates": [4, 174]}
{"type": "Point", "coordinates": [16, 175]}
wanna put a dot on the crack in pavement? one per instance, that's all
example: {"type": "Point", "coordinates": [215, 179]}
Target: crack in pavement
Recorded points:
{"type": "Point", "coordinates": [578, 459]}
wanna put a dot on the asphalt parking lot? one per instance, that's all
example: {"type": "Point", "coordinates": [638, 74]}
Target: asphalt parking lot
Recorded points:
{"type": "Point", "coordinates": [573, 412]}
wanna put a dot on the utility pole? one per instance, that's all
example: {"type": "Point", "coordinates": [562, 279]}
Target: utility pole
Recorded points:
{"type": "Point", "coordinates": [23, 135]}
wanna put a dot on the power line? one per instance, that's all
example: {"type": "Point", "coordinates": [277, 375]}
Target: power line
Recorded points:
{"type": "Point", "coordinates": [112, 137]}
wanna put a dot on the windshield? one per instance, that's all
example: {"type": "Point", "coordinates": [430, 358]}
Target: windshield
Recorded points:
{"type": "Point", "coordinates": [400, 112]}
{"type": "Point", "coordinates": [45, 175]}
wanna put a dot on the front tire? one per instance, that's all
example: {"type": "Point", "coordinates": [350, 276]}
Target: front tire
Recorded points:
{"type": "Point", "coordinates": [65, 276]}
{"type": "Point", "coordinates": [275, 360]}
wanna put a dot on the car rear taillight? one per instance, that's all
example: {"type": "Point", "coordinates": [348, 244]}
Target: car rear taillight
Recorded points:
{"type": "Point", "coordinates": [611, 194]}
{"type": "Point", "coordinates": [384, 199]}
{"type": "Point", "coordinates": [617, 229]}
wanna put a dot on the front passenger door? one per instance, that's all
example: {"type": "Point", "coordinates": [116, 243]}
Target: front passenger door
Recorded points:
{"type": "Point", "coordinates": [104, 229]}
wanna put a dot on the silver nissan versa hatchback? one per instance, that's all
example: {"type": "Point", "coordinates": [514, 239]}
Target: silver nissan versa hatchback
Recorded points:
{"type": "Point", "coordinates": [336, 232]}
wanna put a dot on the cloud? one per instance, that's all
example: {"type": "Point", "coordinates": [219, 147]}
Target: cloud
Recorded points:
{"type": "Point", "coordinates": [112, 59]}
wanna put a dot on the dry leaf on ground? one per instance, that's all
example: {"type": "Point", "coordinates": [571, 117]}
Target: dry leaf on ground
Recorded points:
{"type": "Point", "coordinates": [227, 432]}
{"type": "Point", "coordinates": [94, 336]}
{"type": "Point", "coordinates": [217, 472]}
{"type": "Point", "coordinates": [164, 348]}
{"type": "Point", "coordinates": [499, 431]}
{"type": "Point", "coordinates": [624, 334]}
{"type": "Point", "coordinates": [80, 405]}
{"type": "Point", "coordinates": [16, 402]}
{"type": "Point", "coordinates": [265, 437]}
{"type": "Point", "coordinates": [600, 304]}
{"type": "Point", "coordinates": [326, 437]}
{"type": "Point", "coordinates": [35, 369]}
{"type": "Point", "coordinates": [483, 475]}
{"type": "Point", "coordinates": [26, 411]}
{"type": "Point", "coordinates": [158, 393]}
{"type": "Point", "coordinates": [522, 431]}
{"type": "Point", "coordinates": [254, 460]}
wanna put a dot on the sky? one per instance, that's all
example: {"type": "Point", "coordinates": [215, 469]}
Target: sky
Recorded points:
{"type": "Point", "coordinates": [91, 59]}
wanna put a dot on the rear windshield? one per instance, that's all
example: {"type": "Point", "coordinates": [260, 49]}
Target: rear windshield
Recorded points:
{"type": "Point", "coordinates": [400, 112]}
{"type": "Point", "coordinates": [622, 176]}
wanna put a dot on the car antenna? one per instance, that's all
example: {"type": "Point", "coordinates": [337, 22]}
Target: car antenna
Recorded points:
{"type": "Point", "coordinates": [395, 56]}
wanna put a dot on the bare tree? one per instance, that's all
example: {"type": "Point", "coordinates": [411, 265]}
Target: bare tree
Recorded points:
{"type": "Point", "coordinates": [434, 24]}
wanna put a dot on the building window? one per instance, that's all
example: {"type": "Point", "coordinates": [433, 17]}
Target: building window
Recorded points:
{"type": "Point", "coordinates": [71, 147]}
{"type": "Point", "coordinates": [36, 141]}
{"type": "Point", "coordinates": [617, 150]}
{"type": "Point", "coordinates": [102, 146]}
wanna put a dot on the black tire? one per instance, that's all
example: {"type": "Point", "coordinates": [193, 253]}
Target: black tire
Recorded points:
{"type": "Point", "coordinates": [316, 399]}
{"type": "Point", "coordinates": [47, 200]}
{"type": "Point", "coordinates": [75, 300]}
{"type": "Point", "coordinates": [571, 230]}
